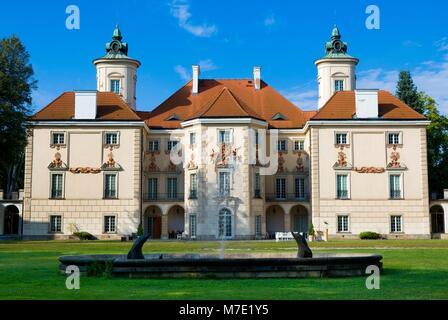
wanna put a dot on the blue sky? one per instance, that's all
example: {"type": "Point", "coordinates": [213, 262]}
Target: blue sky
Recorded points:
{"type": "Point", "coordinates": [227, 38]}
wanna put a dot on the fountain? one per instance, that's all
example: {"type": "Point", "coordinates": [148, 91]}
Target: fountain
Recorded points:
{"type": "Point", "coordinates": [259, 265]}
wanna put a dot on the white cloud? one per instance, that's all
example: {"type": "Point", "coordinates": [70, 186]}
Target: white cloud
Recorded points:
{"type": "Point", "coordinates": [182, 72]}
{"type": "Point", "coordinates": [269, 20]}
{"type": "Point", "coordinates": [207, 65]}
{"type": "Point", "coordinates": [180, 9]}
{"type": "Point", "coordinates": [302, 96]}
{"type": "Point", "coordinates": [411, 44]}
{"type": "Point", "coordinates": [442, 44]}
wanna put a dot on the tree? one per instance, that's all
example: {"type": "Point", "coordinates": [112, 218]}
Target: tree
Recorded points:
{"type": "Point", "coordinates": [407, 91]}
{"type": "Point", "coordinates": [437, 139]}
{"type": "Point", "coordinates": [16, 85]}
{"type": "Point", "coordinates": [437, 132]}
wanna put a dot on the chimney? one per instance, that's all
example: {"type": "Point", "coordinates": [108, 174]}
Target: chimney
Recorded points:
{"type": "Point", "coordinates": [257, 78]}
{"type": "Point", "coordinates": [196, 72]}
{"type": "Point", "coordinates": [85, 105]}
{"type": "Point", "coordinates": [366, 101]}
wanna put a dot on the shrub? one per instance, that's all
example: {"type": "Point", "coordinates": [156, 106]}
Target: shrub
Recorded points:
{"type": "Point", "coordinates": [83, 235]}
{"type": "Point", "coordinates": [140, 230]}
{"type": "Point", "coordinates": [369, 235]}
{"type": "Point", "coordinates": [100, 268]}
{"type": "Point", "coordinates": [311, 231]}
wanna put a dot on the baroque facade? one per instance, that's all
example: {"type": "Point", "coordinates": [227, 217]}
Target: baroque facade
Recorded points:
{"type": "Point", "coordinates": [226, 158]}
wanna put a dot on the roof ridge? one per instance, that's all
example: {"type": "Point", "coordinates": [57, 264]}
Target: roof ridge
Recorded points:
{"type": "Point", "coordinates": [243, 106]}
{"type": "Point", "coordinates": [53, 101]}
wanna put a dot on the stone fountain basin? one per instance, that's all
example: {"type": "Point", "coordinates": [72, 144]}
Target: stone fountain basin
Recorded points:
{"type": "Point", "coordinates": [257, 265]}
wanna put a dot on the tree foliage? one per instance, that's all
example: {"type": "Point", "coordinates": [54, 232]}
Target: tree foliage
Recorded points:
{"type": "Point", "coordinates": [437, 133]}
{"type": "Point", "coordinates": [16, 86]}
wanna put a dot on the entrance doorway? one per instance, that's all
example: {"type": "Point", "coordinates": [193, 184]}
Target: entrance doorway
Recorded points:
{"type": "Point", "coordinates": [437, 220]}
{"type": "Point", "coordinates": [11, 221]}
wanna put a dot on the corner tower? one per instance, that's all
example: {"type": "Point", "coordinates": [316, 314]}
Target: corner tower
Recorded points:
{"type": "Point", "coordinates": [116, 72]}
{"type": "Point", "coordinates": [336, 70]}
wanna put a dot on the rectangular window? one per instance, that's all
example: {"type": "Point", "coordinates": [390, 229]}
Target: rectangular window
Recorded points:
{"type": "Point", "coordinates": [342, 186]}
{"type": "Point", "coordinates": [224, 183]}
{"type": "Point", "coordinates": [257, 137]}
{"type": "Point", "coordinates": [257, 185]}
{"type": "Point", "coordinates": [193, 186]}
{"type": "Point", "coordinates": [192, 138]}
{"type": "Point", "coordinates": [171, 144]}
{"type": "Point", "coordinates": [152, 189]}
{"type": "Point", "coordinates": [282, 145]}
{"type": "Point", "coordinates": [110, 186]}
{"type": "Point", "coordinates": [110, 225]}
{"type": "Point", "coordinates": [58, 138]}
{"type": "Point", "coordinates": [55, 224]}
{"type": "Point", "coordinates": [299, 145]}
{"type": "Point", "coordinates": [395, 186]}
{"type": "Point", "coordinates": [396, 224]}
{"type": "Point", "coordinates": [339, 85]}
{"type": "Point", "coordinates": [172, 188]}
{"type": "Point", "coordinates": [111, 138]}
{"type": "Point", "coordinates": [193, 226]}
{"type": "Point", "coordinates": [223, 136]}
{"type": "Point", "coordinates": [153, 146]}
{"type": "Point", "coordinates": [115, 86]}
{"type": "Point", "coordinates": [299, 188]}
{"type": "Point", "coordinates": [258, 225]}
{"type": "Point", "coordinates": [56, 185]}
{"type": "Point", "coordinates": [341, 138]}
{"type": "Point", "coordinates": [393, 138]}
{"type": "Point", "coordinates": [280, 188]}
{"type": "Point", "coordinates": [342, 223]}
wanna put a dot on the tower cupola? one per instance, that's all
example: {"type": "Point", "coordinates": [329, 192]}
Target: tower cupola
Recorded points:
{"type": "Point", "coordinates": [116, 71]}
{"type": "Point", "coordinates": [336, 70]}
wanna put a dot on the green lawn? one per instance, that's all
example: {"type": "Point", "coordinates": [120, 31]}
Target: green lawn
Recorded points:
{"type": "Point", "coordinates": [413, 269]}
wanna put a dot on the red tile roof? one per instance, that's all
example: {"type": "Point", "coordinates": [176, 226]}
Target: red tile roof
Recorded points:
{"type": "Point", "coordinates": [109, 107]}
{"type": "Point", "coordinates": [227, 98]}
{"type": "Point", "coordinates": [341, 106]}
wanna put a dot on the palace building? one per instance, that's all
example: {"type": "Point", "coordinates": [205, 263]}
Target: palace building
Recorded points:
{"type": "Point", "coordinates": [226, 158]}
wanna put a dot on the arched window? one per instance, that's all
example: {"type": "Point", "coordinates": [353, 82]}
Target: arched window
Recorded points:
{"type": "Point", "coordinates": [225, 223]}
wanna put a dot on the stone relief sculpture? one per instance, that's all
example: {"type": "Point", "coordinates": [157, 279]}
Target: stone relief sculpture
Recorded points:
{"type": "Point", "coordinates": [394, 158]}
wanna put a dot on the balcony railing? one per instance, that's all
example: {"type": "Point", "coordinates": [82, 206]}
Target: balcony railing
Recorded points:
{"type": "Point", "coordinates": [152, 197]}
{"type": "Point", "coordinates": [286, 197]}
{"type": "Point", "coordinates": [395, 194]}
{"type": "Point", "coordinates": [342, 194]}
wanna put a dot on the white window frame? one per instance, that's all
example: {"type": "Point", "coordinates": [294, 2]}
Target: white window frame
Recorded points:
{"type": "Point", "coordinates": [400, 138]}
{"type": "Point", "coordinates": [112, 87]}
{"type": "Point", "coordinates": [391, 218]}
{"type": "Point", "coordinates": [258, 225]}
{"type": "Point", "coordinates": [106, 133]}
{"type": "Point", "coordinates": [151, 144]}
{"type": "Point", "coordinates": [170, 144]}
{"type": "Point", "coordinates": [62, 185]}
{"type": "Point", "coordinates": [280, 142]}
{"type": "Point", "coordinates": [299, 145]}
{"type": "Point", "coordinates": [229, 173]}
{"type": "Point", "coordinates": [51, 225]}
{"type": "Point", "coordinates": [335, 87]}
{"type": "Point", "coordinates": [104, 185]}
{"type": "Point", "coordinates": [296, 190]}
{"type": "Point", "coordinates": [108, 224]}
{"type": "Point", "coordinates": [193, 185]}
{"type": "Point", "coordinates": [257, 185]}
{"type": "Point", "coordinates": [192, 137]}
{"type": "Point", "coordinates": [347, 138]}
{"type": "Point", "coordinates": [232, 231]}
{"type": "Point", "coordinates": [171, 195]}
{"type": "Point", "coordinates": [400, 174]}
{"type": "Point", "coordinates": [155, 193]}
{"type": "Point", "coordinates": [277, 191]}
{"type": "Point", "coordinates": [193, 222]}
{"type": "Point", "coordinates": [228, 133]}
{"type": "Point", "coordinates": [347, 174]}
{"type": "Point", "coordinates": [64, 135]}
{"type": "Point", "coordinates": [347, 223]}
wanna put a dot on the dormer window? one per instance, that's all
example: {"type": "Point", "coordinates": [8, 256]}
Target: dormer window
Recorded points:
{"type": "Point", "coordinates": [115, 86]}
{"type": "Point", "coordinates": [279, 116]}
{"type": "Point", "coordinates": [111, 138]}
{"type": "Point", "coordinates": [341, 138]}
{"type": "Point", "coordinates": [58, 138]}
{"type": "Point", "coordinates": [173, 117]}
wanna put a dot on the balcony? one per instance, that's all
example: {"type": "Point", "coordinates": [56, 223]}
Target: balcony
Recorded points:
{"type": "Point", "coordinates": [291, 197]}
{"type": "Point", "coordinates": [163, 197]}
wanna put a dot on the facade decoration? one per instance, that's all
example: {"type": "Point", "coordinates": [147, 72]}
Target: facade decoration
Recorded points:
{"type": "Point", "coordinates": [152, 167]}
{"type": "Point", "coordinates": [227, 155]}
{"type": "Point", "coordinates": [171, 167]}
{"type": "Point", "coordinates": [369, 169]}
{"type": "Point", "coordinates": [110, 164]}
{"type": "Point", "coordinates": [395, 159]}
{"type": "Point", "coordinates": [85, 170]}
{"type": "Point", "coordinates": [342, 159]}
{"type": "Point", "coordinates": [192, 163]}
{"type": "Point", "coordinates": [281, 163]}
{"type": "Point", "coordinates": [300, 167]}
{"type": "Point", "coordinates": [57, 163]}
